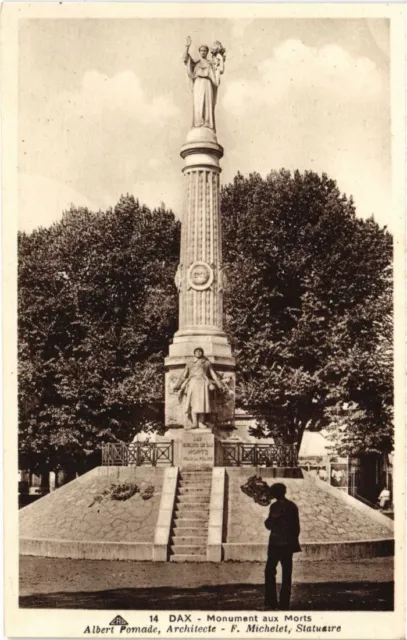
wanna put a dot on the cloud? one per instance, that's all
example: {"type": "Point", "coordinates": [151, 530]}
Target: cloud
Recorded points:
{"type": "Point", "coordinates": [56, 197]}
{"type": "Point", "coordinates": [239, 27]}
{"type": "Point", "coordinates": [297, 68]}
{"type": "Point", "coordinates": [318, 109]}
{"type": "Point", "coordinates": [300, 108]}
{"type": "Point", "coordinates": [122, 93]}
{"type": "Point", "coordinates": [106, 138]}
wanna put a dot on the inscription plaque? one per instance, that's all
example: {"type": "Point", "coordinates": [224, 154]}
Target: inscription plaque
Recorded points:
{"type": "Point", "coordinates": [197, 449]}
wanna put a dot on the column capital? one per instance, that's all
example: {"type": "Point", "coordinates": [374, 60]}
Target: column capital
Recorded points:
{"type": "Point", "coordinates": [213, 148]}
{"type": "Point", "coordinates": [201, 149]}
{"type": "Point", "coordinates": [201, 156]}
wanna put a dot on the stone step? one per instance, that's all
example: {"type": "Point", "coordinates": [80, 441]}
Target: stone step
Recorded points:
{"type": "Point", "coordinates": [191, 520]}
{"type": "Point", "coordinates": [189, 540]}
{"type": "Point", "coordinates": [195, 472]}
{"type": "Point", "coordinates": [195, 481]}
{"type": "Point", "coordinates": [188, 549]}
{"type": "Point", "coordinates": [185, 528]}
{"type": "Point", "coordinates": [190, 523]}
{"type": "Point", "coordinates": [192, 499]}
{"type": "Point", "coordinates": [198, 482]}
{"type": "Point", "coordinates": [187, 511]}
{"type": "Point", "coordinates": [191, 515]}
{"type": "Point", "coordinates": [198, 533]}
{"type": "Point", "coordinates": [182, 502]}
{"type": "Point", "coordinates": [195, 490]}
{"type": "Point", "coordinates": [183, 557]}
{"type": "Point", "coordinates": [198, 470]}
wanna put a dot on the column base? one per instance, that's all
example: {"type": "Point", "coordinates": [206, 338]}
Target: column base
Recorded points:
{"type": "Point", "coordinates": [215, 347]}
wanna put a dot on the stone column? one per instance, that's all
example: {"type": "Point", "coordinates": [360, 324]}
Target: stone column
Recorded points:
{"type": "Point", "coordinates": [199, 278]}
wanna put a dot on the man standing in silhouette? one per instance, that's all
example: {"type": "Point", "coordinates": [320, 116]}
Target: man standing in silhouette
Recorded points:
{"type": "Point", "coordinates": [284, 525]}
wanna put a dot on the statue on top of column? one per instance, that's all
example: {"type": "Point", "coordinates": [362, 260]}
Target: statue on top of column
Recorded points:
{"type": "Point", "coordinates": [205, 78]}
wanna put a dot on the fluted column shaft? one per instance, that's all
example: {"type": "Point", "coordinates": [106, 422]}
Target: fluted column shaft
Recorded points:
{"type": "Point", "coordinates": [200, 297]}
{"type": "Point", "coordinates": [199, 275]}
{"type": "Point", "coordinates": [199, 281]}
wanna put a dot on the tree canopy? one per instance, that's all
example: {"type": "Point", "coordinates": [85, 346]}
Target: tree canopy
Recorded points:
{"type": "Point", "coordinates": [97, 308]}
{"type": "Point", "coordinates": [308, 307]}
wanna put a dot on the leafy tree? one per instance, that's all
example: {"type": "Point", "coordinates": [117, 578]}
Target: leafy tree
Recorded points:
{"type": "Point", "coordinates": [306, 300]}
{"type": "Point", "coordinates": [97, 308]}
{"type": "Point", "coordinates": [308, 308]}
{"type": "Point", "coordinates": [361, 408]}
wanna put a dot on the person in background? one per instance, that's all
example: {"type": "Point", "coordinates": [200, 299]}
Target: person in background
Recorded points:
{"type": "Point", "coordinates": [322, 474]}
{"type": "Point", "coordinates": [384, 498]}
{"type": "Point", "coordinates": [284, 525]}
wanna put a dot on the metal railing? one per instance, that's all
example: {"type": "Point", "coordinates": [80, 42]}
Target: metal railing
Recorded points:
{"type": "Point", "coordinates": [237, 454]}
{"type": "Point", "coordinates": [227, 454]}
{"type": "Point", "coordinates": [152, 454]}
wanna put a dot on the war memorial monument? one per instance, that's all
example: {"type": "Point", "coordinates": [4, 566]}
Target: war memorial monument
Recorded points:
{"type": "Point", "coordinates": [187, 503]}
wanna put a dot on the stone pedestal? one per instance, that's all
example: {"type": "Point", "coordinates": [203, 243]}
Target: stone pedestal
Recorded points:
{"type": "Point", "coordinates": [197, 449]}
{"type": "Point", "coordinates": [193, 448]}
{"type": "Point", "coordinates": [199, 279]}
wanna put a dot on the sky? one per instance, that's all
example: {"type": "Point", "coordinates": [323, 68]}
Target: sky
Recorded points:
{"type": "Point", "coordinates": [105, 106]}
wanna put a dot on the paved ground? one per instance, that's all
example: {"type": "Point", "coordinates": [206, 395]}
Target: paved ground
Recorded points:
{"type": "Point", "coordinates": [325, 517]}
{"type": "Point", "coordinates": [79, 511]}
{"type": "Point", "coordinates": [102, 584]}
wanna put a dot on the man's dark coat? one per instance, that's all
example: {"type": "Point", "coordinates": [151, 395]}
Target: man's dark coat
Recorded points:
{"type": "Point", "coordinates": [284, 525]}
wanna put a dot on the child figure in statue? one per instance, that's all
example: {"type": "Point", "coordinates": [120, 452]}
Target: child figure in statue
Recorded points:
{"type": "Point", "coordinates": [198, 383]}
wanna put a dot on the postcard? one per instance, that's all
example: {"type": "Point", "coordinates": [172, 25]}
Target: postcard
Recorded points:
{"type": "Point", "coordinates": [204, 286]}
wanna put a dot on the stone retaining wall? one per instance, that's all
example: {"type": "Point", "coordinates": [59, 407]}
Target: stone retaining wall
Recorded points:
{"type": "Point", "coordinates": [252, 552]}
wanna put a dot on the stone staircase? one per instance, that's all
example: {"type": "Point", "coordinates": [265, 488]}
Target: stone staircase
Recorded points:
{"type": "Point", "coordinates": [189, 532]}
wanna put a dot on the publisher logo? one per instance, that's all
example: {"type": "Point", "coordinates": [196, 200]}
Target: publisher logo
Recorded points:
{"type": "Point", "coordinates": [118, 621]}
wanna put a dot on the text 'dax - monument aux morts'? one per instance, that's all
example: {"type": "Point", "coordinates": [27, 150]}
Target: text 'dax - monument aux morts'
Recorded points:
{"type": "Point", "coordinates": [199, 370]}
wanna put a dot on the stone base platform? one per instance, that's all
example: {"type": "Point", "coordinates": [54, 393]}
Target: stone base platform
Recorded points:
{"type": "Point", "coordinates": [75, 522]}
{"type": "Point", "coordinates": [210, 517]}
{"type": "Point", "coordinates": [334, 525]}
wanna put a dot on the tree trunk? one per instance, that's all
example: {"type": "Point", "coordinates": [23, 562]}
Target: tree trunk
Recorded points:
{"type": "Point", "coordinates": [64, 476]}
{"type": "Point", "coordinates": [44, 484]}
